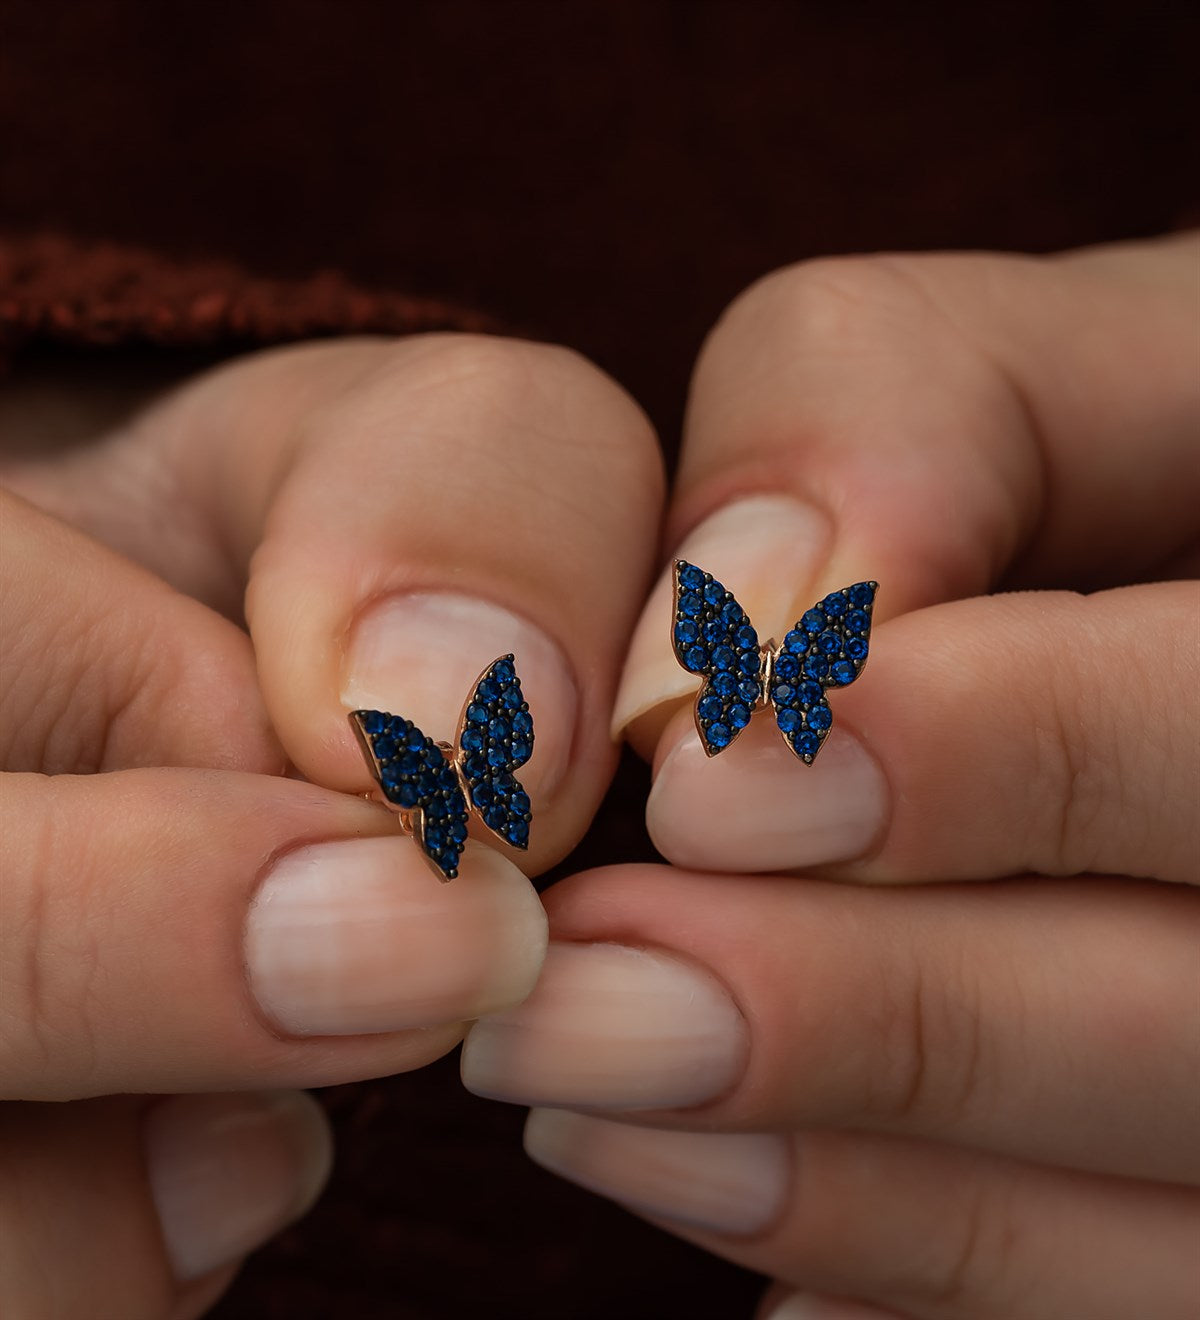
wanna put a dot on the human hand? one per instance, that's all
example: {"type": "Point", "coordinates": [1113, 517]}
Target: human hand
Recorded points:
{"type": "Point", "coordinates": [954, 1099]}
{"type": "Point", "coordinates": [177, 918]}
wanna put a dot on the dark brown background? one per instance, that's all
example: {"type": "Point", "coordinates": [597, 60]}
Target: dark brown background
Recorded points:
{"type": "Point", "coordinates": [608, 175]}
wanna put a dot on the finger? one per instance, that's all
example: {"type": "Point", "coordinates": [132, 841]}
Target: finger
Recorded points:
{"type": "Point", "coordinates": [1040, 733]}
{"type": "Point", "coordinates": [191, 930]}
{"type": "Point", "coordinates": [936, 1232]}
{"type": "Point", "coordinates": [939, 423]}
{"type": "Point", "coordinates": [1030, 1019]}
{"type": "Point", "coordinates": [189, 1185]}
{"type": "Point", "coordinates": [784, 1305]}
{"type": "Point", "coordinates": [105, 666]}
{"type": "Point", "coordinates": [411, 510]}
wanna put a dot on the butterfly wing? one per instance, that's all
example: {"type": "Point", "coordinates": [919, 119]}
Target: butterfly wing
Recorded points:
{"type": "Point", "coordinates": [714, 639]}
{"type": "Point", "coordinates": [415, 776]}
{"type": "Point", "coordinates": [826, 649]}
{"type": "Point", "coordinates": [495, 738]}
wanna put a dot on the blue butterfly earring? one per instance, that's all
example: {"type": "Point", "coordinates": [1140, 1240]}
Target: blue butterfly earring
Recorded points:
{"type": "Point", "coordinates": [436, 788]}
{"type": "Point", "coordinates": [714, 638]}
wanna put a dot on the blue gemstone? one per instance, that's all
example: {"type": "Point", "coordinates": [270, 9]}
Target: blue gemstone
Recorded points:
{"type": "Point", "coordinates": [435, 838]}
{"type": "Point", "coordinates": [496, 816]}
{"type": "Point", "coordinates": [843, 671]}
{"type": "Point", "coordinates": [513, 697]}
{"type": "Point", "coordinates": [810, 693]}
{"type": "Point", "coordinates": [858, 621]}
{"type": "Point", "coordinates": [414, 738]}
{"type": "Point", "coordinates": [691, 577]}
{"type": "Point", "coordinates": [710, 708]}
{"type": "Point", "coordinates": [482, 795]}
{"type": "Point", "coordinates": [816, 666]}
{"type": "Point", "coordinates": [476, 766]}
{"type": "Point", "coordinates": [806, 743]}
{"type": "Point", "coordinates": [749, 690]}
{"type": "Point", "coordinates": [458, 830]}
{"type": "Point", "coordinates": [433, 758]}
{"type": "Point", "coordinates": [427, 784]}
{"type": "Point", "coordinates": [795, 643]}
{"type": "Point", "coordinates": [488, 690]}
{"type": "Point", "coordinates": [477, 714]}
{"type": "Point", "coordinates": [685, 632]}
{"type": "Point", "coordinates": [472, 739]}
{"type": "Point", "coordinates": [520, 802]}
{"type": "Point", "coordinates": [406, 795]}
{"type": "Point", "coordinates": [503, 671]}
{"type": "Point", "coordinates": [691, 603]}
{"type": "Point", "coordinates": [820, 718]}
{"type": "Point", "coordinates": [497, 730]}
{"type": "Point", "coordinates": [749, 663]}
{"type": "Point", "coordinates": [788, 719]}
{"type": "Point", "coordinates": [829, 642]}
{"type": "Point", "coordinates": [739, 716]}
{"type": "Point", "coordinates": [518, 833]}
{"type": "Point", "coordinates": [732, 615]}
{"type": "Point", "coordinates": [834, 605]}
{"type": "Point", "coordinates": [724, 683]}
{"type": "Point", "coordinates": [497, 756]}
{"type": "Point", "coordinates": [747, 638]}
{"type": "Point", "coordinates": [783, 694]}
{"type": "Point", "coordinates": [522, 723]}
{"type": "Point", "coordinates": [385, 748]}
{"type": "Point", "coordinates": [373, 721]}
{"type": "Point", "coordinates": [714, 593]}
{"type": "Point", "coordinates": [447, 781]}
{"type": "Point", "coordinates": [722, 657]}
{"type": "Point", "coordinates": [521, 751]}
{"type": "Point", "coordinates": [696, 659]}
{"type": "Point", "coordinates": [408, 764]}
{"type": "Point", "coordinates": [862, 594]}
{"type": "Point", "coordinates": [856, 648]}
{"type": "Point", "coordinates": [787, 666]}
{"type": "Point", "coordinates": [813, 621]}
{"type": "Point", "coordinates": [719, 735]}
{"type": "Point", "coordinates": [714, 632]}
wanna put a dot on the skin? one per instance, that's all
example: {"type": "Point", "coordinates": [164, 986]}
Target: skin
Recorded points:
{"type": "Point", "coordinates": [1052, 447]}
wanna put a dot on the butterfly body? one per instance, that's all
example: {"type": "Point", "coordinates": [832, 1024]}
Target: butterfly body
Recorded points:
{"type": "Point", "coordinates": [714, 639]}
{"type": "Point", "coordinates": [436, 788]}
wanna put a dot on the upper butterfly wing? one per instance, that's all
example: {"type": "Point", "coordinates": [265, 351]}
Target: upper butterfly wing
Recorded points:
{"type": "Point", "coordinates": [826, 649]}
{"type": "Point", "coordinates": [415, 776]}
{"type": "Point", "coordinates": [713, 638]}
{"type": "Point", "coordinates": [495, 739]}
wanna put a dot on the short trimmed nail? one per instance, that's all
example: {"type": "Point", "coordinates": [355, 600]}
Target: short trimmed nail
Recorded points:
{"type": "Point", "coordinates": [804, 1306]}
{"type": "Point", "coordinates": [228, 1171]}
{"type": "Point", "coordinates": [609, 1027]}
{"type": "Point", "coordinates": [417, 655]}
{"type": "Point", "coordinates": [757, 808]}
{"type": "Point", "coordinates": [767, 550]}
{"type": "Point", "coordinates": [359, 936]}
{"type": "Point", "coordinates": [720, 1182]}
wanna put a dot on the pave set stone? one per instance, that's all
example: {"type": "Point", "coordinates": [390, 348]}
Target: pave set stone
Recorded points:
{"type": "Point", "coordinates": [414, 773]}
{"type": "Point", "coordinates": [713, 637]}
{"type": "Point", "coordinates": [497, 739]}
{"type": "Point", "coordinates": [827, 648]}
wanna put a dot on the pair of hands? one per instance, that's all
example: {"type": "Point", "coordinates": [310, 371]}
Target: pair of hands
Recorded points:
{"type": "Point", "coordinates": [923, 1034]}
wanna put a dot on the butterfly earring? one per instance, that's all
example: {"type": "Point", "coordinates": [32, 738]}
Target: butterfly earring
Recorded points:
{"type": "Point", "coordinates": [713, 638]}
{"type": "Point", "coordinates": [436, 788]}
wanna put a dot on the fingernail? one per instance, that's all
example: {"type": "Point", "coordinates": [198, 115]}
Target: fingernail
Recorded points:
{"type": "Point", "coordinates": [417, 655]}
{"type": "Point", "coordinates": [757, 808]}
{"type": "Point", "coordinates": [767, 549]}
{"type": "Point", "coordinates": [804, 1306]}
{"type": "Point", "coordinates": [228, 1171]}
{"type": "Point", "coordinates": [610, 1027]}
{"type": "Point", "coordinates": [359, 936]}
{"type": "Point", "coordinates": [721, 1182]}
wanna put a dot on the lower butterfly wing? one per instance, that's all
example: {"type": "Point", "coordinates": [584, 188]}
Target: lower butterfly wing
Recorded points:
{"type": "Point", "coordinates": [495, 738]}
{"type": "Point", "coordinates": [715, 640]}
{"type": "Point", "coordinates": [826, 649]}
{"type": "Point", "coordinates": [414, 775]}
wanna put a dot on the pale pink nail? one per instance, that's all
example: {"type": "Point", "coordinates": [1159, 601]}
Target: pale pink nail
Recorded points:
{"type": "Point", "coordinates": [358, 936]}
{"type": "Point", "coordinates": [805, 1306]}
{"type": "Point", "coordinates": [755, 807]}
{"type": "Point", "coordinates": [722, 1182]}
{"type": "Point", "coordinates": [610, 1027]}
{"type": "Point", "coordinates": [228, 1171]}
